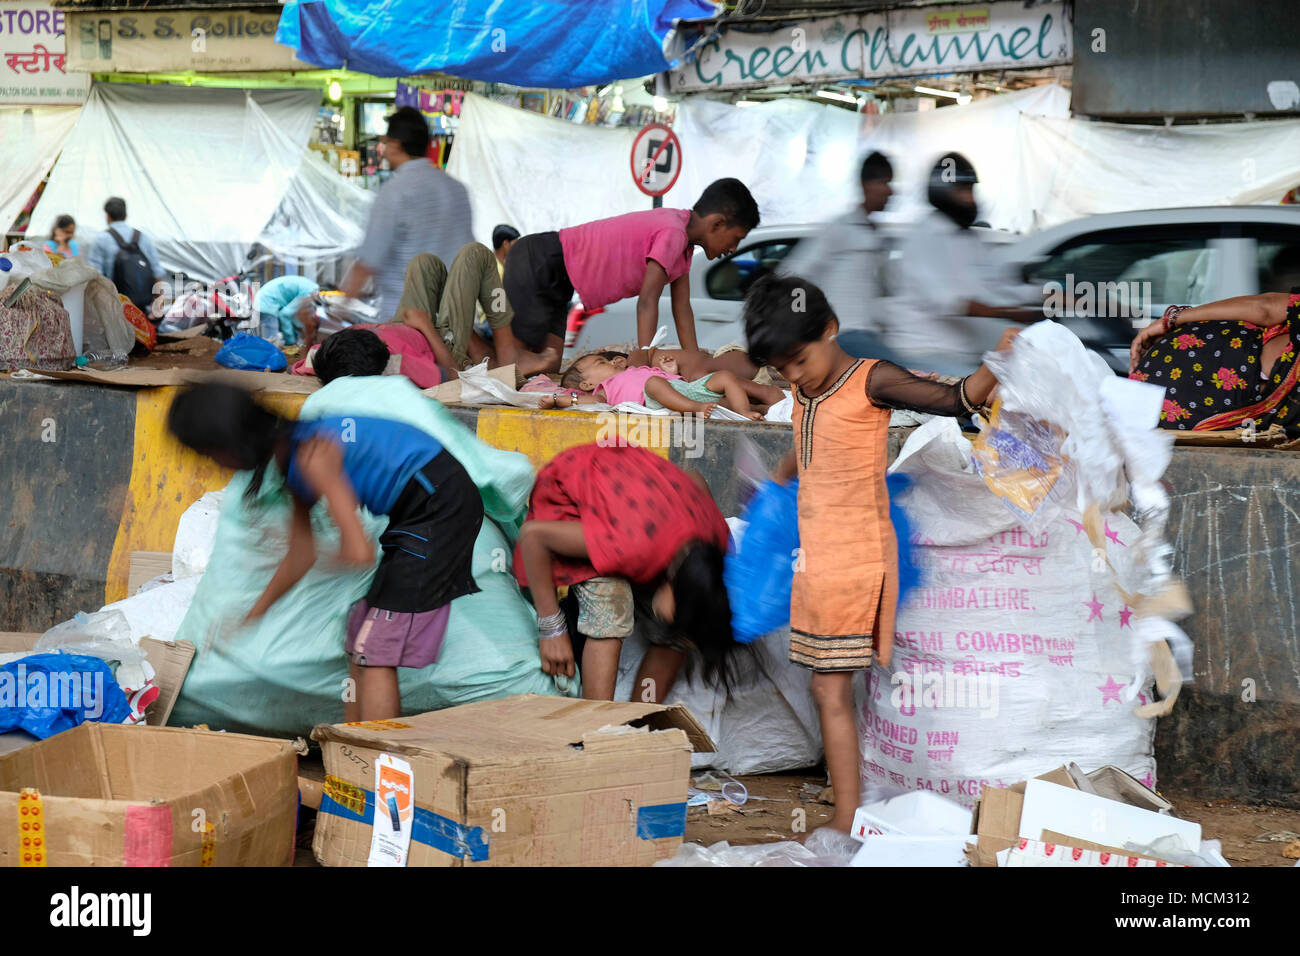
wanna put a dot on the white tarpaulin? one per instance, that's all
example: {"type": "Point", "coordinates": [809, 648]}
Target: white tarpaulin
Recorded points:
{"type": "Point", "coordinates": [30, 139]}
{"type": "Point", "coordinates": [796, 157]}
{"type": "Point", "coordinates": [1076, 168]}
{"type": "Point", "coordinates": [539, 173]}
{"type": "Point", "coordinates": [203, 171]}
{"type": "Point", "coordinates": [1037, 165]}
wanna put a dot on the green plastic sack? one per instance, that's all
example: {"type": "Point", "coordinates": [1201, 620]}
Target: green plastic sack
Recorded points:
{"type": "Point", "coordinates": [287, 673]}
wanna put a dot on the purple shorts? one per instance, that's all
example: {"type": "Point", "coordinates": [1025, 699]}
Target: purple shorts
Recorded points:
{"type": "Point", "coordinates": [378, 638]}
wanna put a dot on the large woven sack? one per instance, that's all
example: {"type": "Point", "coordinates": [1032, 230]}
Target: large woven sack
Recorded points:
{"type": "Point", "coordinates": [35, 332]}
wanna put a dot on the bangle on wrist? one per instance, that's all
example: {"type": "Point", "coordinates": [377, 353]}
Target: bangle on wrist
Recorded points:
{"type": "Point", "coordinates": [961, 393]}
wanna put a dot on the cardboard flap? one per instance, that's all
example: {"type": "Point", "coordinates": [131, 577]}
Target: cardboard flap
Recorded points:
{"type": "Point", "coordinates": [159, 377]}
{"type": "Point", "coordinates": [525, 726]}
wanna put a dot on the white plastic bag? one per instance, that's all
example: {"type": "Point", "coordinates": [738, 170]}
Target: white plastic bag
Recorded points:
{"type": "Point", "coordinates": [105, 329]}
{"type": "Point", "coordinates": [195, 534]}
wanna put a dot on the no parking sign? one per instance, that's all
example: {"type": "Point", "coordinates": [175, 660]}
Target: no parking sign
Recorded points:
{"type": "Point", "coordinates": [656, 159]}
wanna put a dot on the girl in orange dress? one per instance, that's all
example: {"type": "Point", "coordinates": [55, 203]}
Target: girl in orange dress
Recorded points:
{"type": "Point", "coordinates": [846, 582]}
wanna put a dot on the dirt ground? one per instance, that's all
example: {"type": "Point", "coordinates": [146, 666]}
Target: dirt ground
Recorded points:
{"type": "Point", "coordinates": [768, 817]}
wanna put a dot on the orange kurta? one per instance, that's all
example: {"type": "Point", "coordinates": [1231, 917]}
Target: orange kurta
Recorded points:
{"type": "Point", "coordinates": [846, 588]}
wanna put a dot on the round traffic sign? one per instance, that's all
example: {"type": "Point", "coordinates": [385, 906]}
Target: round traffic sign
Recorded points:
{"type": "Point", "coordinates": [656, 159]}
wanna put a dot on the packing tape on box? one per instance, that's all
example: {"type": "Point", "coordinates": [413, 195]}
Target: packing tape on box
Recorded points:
{"type": "Point", "coordinates": [442, 833]}
{"type": "Point", "coordinates": [31, 828]}
{"type": "Point", "coordinates": [208, 851]}
{"type": "Point", "coordinates": [663, 820]}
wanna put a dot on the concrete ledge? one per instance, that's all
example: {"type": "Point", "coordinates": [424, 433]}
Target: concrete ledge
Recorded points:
{"type": "Point", "coordinates": [112, 481]}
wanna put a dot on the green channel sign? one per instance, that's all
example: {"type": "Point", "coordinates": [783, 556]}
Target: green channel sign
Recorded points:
{"type": "Point", "coordinates": [917, 41]}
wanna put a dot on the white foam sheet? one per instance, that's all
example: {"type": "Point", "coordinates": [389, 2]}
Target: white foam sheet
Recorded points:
{"type": "Point", "coordinates": [1084, 816]}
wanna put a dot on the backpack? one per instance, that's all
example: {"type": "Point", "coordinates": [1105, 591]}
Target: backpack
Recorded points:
{"type": "Point", "coordinates": [131, 272]}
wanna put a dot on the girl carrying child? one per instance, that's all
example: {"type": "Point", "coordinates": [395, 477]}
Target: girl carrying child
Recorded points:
{"type": "Point", "coordinates": [846, 588]}
{"type": "Point", "coordinates": [434, 514]}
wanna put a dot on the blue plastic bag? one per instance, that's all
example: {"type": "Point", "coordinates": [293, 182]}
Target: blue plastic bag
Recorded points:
{"type": "Point", "coordinates": [760, 575]}
{"type": "Point", "coordinates": [46, 694]}
{"type": "Point", "coordinates": [250, 353]}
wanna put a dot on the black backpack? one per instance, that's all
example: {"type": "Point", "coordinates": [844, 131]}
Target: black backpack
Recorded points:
{"type": "Point", "coordinates": [131, 272]}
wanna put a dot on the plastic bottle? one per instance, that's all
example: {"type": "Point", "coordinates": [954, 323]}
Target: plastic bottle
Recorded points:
{"type": "Point", "coordinates": [101, 361]}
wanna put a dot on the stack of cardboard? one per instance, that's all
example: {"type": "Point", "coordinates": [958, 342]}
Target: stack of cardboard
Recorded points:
{"type": "Point", "coordinates": [1069, 818]}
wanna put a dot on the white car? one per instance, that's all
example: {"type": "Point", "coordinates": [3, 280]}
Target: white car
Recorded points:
{"type": "Point", "coordinates": [1136, 263]}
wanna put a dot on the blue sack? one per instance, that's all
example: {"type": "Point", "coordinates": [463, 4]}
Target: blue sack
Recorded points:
{"type": "Point", "coordinates": [250, 353]}
{"type": "Point", "coordinates": [46, 694]}
{"type": "Point", "coordinates": [759, 576]}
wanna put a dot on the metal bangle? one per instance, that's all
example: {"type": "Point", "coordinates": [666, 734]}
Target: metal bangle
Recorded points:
{"type": "Point", "coordinates": [961, 393]}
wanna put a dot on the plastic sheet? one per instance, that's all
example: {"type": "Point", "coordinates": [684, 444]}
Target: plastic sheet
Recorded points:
{"type": "Point", "coordinates": [104, 328]}
{"type": "Point", "coordinates": [251, 353]}
{"type": "Point", "coordinates": [484, 39]}
{"type": "Point", "coordinates": [30, 140]}
{"type": "Point", "coordinates": [231, 169]}
{"type": "Point", "coordinates": [759, 571]}
{"type": "Point", "coordinates": [97, 695]}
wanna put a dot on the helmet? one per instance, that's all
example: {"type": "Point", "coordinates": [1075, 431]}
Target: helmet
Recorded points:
{"type": "Point", "coordinates": [951, 170]}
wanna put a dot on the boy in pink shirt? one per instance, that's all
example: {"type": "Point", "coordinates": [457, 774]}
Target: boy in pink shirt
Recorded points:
{"type": "Point", "coordinates": [636, 254]}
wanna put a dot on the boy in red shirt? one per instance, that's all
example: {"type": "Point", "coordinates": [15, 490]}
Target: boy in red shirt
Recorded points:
{"type": "Point", "coordinates": [611, 259]}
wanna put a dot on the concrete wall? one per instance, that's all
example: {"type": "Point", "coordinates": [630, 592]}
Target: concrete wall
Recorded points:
{"type": "Point", "coordinates": [109, 480]}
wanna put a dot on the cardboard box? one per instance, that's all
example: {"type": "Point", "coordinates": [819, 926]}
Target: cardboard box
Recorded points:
{"type": "Point", "coordinates": [1036, 853]}
{"type": "Point", "coordinates": [112, 795]}
{"type": "Point", "coordinates": [525, 780]}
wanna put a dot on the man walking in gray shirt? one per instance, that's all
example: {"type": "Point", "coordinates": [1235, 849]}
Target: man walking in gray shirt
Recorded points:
{"type": "Point", "coordinates": [419, 209]}
{"type": "Point", "coordinates": [847, 259]}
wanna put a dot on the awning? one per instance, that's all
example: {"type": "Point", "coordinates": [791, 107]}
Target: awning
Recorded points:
{"type": "Point", "coordinates": [546, 43]}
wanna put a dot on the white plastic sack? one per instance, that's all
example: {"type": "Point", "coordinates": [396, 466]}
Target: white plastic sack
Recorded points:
{"type": "Point", "coordinates": [195, 534]}
{"type": "Point", "coordinates": [769, 724]}
{"type": "Point", "coordinates": [158, 612]}
{"type": "Point", "coordinates": [1014, 655]}
{"type": "Point", "coordinates": [104, 326]}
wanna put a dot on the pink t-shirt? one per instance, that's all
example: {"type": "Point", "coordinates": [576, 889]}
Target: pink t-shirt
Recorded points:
{"type": "Point", "coordinates": [606, 259]}
{"type": "Point", "coordinates": [629, 386]}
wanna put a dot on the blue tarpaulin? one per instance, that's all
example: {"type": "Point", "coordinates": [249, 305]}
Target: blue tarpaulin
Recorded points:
{"type": "Point", "coordinates": [558, 44]}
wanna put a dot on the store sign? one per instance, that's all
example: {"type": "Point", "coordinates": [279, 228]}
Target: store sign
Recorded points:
{"type": "Point", "coordinates": [914, 41]}
{"type": "Point", "coordinates": [214, 41]}
{"type": "Point", "coordinates": [33, 60]}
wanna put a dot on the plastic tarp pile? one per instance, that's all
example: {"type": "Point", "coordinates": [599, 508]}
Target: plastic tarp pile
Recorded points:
{"type": "Point", "coordinates": [206, 173]}
{"type": "Point", "coordinates": [287, 672]}
{"type": "Point", "coordinates": [30, 140]}
{"type": "Point", "coordinates": [544, 43]}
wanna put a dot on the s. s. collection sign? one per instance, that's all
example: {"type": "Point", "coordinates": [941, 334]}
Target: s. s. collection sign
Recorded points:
{"type": "Point", "coordinates": [914, 41]}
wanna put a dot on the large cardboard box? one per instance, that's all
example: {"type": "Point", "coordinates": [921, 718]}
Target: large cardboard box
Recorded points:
{"type": "Point", "coordinates": [113, 795]}
{"type": "Point", "coordinates": [525, 780]}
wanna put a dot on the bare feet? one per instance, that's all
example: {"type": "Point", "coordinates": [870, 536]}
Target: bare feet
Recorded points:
{"type": "Point", "coordinates": [533, 363]}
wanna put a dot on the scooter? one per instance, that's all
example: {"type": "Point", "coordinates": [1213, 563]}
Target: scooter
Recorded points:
{"type": "Point", "coordinates": [225, 306]}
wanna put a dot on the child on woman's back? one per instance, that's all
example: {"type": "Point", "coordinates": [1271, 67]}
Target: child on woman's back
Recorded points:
{"type": "Point", "coordinates": [846, 587]}
{"type": "Point", "coordinates": [660, 386]}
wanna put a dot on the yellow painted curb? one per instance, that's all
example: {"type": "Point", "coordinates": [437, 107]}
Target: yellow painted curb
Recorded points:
{"type": "Point", "coordinates": [543, 435]}
{"type": "Point", "coordinates": [166, 478]}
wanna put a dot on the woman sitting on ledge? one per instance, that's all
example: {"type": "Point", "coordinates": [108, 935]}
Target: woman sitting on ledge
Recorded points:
{"type": "Point", "coordinates": [1225, 363]}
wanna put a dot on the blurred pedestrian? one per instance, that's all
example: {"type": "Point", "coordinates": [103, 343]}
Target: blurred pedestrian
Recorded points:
{"type": "Point", "coordinates": [847, 260]}
{"type": "Point", "coordinates": [61, 241]}
{"type": "Point", "coordinates": [953, 300]}
{"type": "Point", "coordinates": [419, 209]}
{"type": "Point", "coordinates": [128, 257]}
